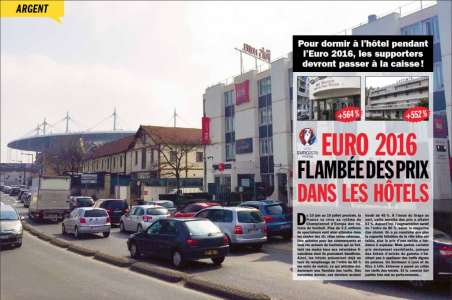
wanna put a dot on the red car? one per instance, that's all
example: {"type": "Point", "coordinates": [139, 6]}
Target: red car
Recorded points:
{"type": "Point", "coordinates": [191, 209]}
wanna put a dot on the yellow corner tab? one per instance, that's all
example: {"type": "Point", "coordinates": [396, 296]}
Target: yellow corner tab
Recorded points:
{"type": "Point", "coordinates": [53, 9]}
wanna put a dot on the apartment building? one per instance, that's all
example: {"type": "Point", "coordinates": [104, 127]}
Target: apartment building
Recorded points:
{"type": "Point", "coordinates": [390, 101]}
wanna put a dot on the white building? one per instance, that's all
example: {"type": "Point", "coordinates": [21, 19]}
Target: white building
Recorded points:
{"type": "Point", "coordinates": [251, 132]}
{"type": "Point", "coordinates": [390, 101]}
{"type": "Point", "coordinates": [434, 20]}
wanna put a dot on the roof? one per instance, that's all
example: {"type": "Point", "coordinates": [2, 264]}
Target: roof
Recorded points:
{"type": "Point", "coordinates": [115, 147]}
{"type": "Point", "coordinates": [173, 135]}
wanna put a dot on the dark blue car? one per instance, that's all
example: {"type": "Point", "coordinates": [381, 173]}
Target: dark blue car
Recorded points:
{"type": "Point", "coordinates": [180, 240]}
{"type": "Point", "coordinates": [276, 215]}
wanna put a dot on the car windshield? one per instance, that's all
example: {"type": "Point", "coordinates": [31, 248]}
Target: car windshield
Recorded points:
{"type": "Point", "coordinates": [84, 202]}
{"type": "Point", "coordinates": [156, 211]}
{"type": "Point", "coordinates": [202, 227]}
{"type": "Point", "coordinates": [275, 209]}
{"type": "Point", "coordinates": [8, 215]}
{"type": "Point", "coordinates": [166, 204]}
{"type": "Point", "coordinates": [95, 213]}
{"type": "Point", "coordinates": [117, 204]}
{"type": "Point", "coordinates": [249, 217]}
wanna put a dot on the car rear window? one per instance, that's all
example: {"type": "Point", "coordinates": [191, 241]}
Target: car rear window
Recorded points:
{"type": "Point", "coordinates": [116, 204]}
{"type": "Point", "coordinates": [166, 204]}
{"type": "Point", "coordinates": [274, 209]}
{"type": "Point", "coordinates": [202, 227]}
{"type": "Point", "coordinates": [95, 213]}
{"type": "Point", "coordinates": [156, 211]}
{"type": "Point", "coordinates": [249, 217]}
{"type": "Point", "coordinates": [83, 202]}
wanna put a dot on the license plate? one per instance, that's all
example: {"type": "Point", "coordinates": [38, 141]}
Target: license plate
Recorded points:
{"type": "Point", "coordinates": [211, 252]}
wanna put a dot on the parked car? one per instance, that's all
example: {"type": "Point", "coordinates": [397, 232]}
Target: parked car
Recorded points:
{"type": "Point", "coordinates": [14, 191]}
{"type": "Point", "coordinates": [115, 208]}
{"type": "Point", "coordinates": [279, 221]}
{"type": "Point", "coordinates": [6, 189]}
{"type": "Point", "coordinates": [80, 201]}
{"type": "Point", "coordinates": [191, 209]}
{"type": "Point", "coordinates": [241, 225]}
{"type": "Point", "coordinates": [10, 226]}
{"type": "Point", "coordinates": [140, 217]}
{"type": "Point", "coordinates": [22, 193]}
{"type": "Point", "coordinates": [168, 204]}
{"type": "Point", "coordinates": [180, 240]}
{"type": "Point", "coordinates": [87, 220]}
{"type": "Point", "coordinates": [27, 199]}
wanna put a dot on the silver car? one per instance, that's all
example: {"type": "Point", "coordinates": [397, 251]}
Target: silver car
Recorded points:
{"type": "Point", "coordinates": [168, 204]}
{"type": "Point", "coordinates": [241, 225]}
{"type": "Point", "coordinates": [87, 220]}
{"type": "Point", "coordinates": [141, 216]}
{"type": "Point", "coordinates": [10, 226]}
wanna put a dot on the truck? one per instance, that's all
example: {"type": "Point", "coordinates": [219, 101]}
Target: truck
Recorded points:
{"type": "Point", "coordinates": [49, 198]}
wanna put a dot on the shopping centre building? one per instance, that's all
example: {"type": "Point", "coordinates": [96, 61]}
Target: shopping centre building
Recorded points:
{"type": "Point", "coordinates": [390, 101]}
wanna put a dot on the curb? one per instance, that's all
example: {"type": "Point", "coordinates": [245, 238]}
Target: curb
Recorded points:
{"type": "Point", "coordinates": [159, 272]}
{"type": "Point", "coordinates": [222, 290]}
{"type": "Point", "coordinates": [81, 250]}
{"type": "Point", "coordinates": [114, 260]}
{"type": "Point", "coordinates": [44, 236]}
{"type": "Point", "coordinates": [60, 243]}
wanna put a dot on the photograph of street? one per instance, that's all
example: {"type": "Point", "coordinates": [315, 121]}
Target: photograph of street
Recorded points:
{"type": "Point", "coordinates": [387, 98]}
{"type": "Point", "coordinates": [146, 147]}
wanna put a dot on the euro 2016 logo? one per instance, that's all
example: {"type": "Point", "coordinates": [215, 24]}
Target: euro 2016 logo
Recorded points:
{"type": "Point", "coordinates": [307, 136]}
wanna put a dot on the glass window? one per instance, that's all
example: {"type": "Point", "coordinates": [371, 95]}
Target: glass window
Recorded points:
{"type": "Point", "coordinates": [230, 151]}
{"type": "Point", "coordinates": [154, 228]}
{"type": "Point", "coordinates": [85, 202]}
{"type": "Point", "coordinates": [266, 146]}
{"type": "Point", "coordinates": [95, 213]}
{"type": "Point", "coordinates": [8, 215]}
{"type": "Point", "coordinates": [203, 214]}
{"type": "Point", "coordinates": [249, 217]}
{"type": "Point", "coordinates": [168, 227]}
{"type": "Point", "coordinates": [156, 211]}
{"type": "Point", "coordinates": [264, 86]}
{"type": "Point", "coordinates": [143, 158]}
{"type": "Point", "coordinates": [139, 211]}
{"type": "Point", "coordinates": [173, 155]}
{"type": "Point", "coordinates": [229, 124]}
{"type": "Point", "coordinates": [438, 83]}
{"type": "Point", "coordinates": [220, 215]}
{"type": "Point", "coordinates": [199, 156]}
{"type": "Point", "coordinates": [202, 227]}
{"type": "Point", "coordinates": [274, 209]}
{"type": "Point", "coordinates": [228, 98]}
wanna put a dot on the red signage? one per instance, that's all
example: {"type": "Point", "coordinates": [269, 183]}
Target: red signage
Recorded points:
{"type": "Point", "coordinates": [221, 167]}
{"type": "Point", "coordinates": [242, 92]}
{"type": "Point", "coordinates": [205, 131]}
{"type": "Point", "coordinates": [416, 114]}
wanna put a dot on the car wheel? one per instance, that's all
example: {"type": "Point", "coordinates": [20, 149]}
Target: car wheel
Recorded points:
{"type": "Point", "coordinates": [178, 260]}
{"type": "Point", "coordinates": [139, 228]}
{"type": "Point", "coordinates": [218, 260]}
{"type": "Point", "coordinates": [121, 227]}
{"type": "Point", "coordinates": [19, 245]}
{"type": "Point", "coordinates": [63, 229]}
{"type": "Point", "coordinates": [134, 251]}
{"type": "Point", "coordinates": [76, 233]}
{"type": "Point", "coordinates": [106, 234]}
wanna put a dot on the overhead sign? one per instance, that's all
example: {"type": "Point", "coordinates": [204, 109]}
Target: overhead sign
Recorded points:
{"type": "Point", "coordinates": [262, 53]}
{"type": "Point", "coordinates": [244, 146]}
{"type": "Point", "coordinates": [88, 179]}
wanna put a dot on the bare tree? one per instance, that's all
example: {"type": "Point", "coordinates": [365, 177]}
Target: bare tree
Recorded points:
{"type": "Point", "coordinates": [66, 156]}
{"type": "Point", "coordinates": [174, 159]}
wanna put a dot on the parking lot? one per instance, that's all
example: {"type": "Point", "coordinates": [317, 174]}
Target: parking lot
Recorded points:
{"type": "Point", "coordinates": [267, 271]}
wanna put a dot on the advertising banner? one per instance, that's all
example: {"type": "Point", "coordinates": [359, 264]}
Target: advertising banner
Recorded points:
{"type": "Point", "coordinates": [242, 92]}
{"type": "Point", "coordinates": [205, 131]}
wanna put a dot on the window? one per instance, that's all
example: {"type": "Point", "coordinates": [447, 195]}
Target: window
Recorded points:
{"type": "Point", "coordinates": [168, 227]}
{"type": "Point", "coordinates": [230, 151]}
{"type": "Point", "coordinates": [266, 146]}
{"type": "Point", "coordinates": [220, 215]}
{"type": "Point", "coordinates": [265, 115]}
{"type": "Point", "coordinates": [199, 156]}
{"type": "Point", "coordinates": [139, 211]}
{"type": "Point", "coordinates": [143, 158]}
{"type": "Point", "coordinates": [229, 124]}
{"type": "Point", "coordinates": [202, 227]}
{"type": "Point", "coordinates": [95, 213]}
{"type": "Point", "coordinates": [173, 156]}
{"type": "Point", "coordinates": [249, 217]}
{"type": "Point", "coordinates": [228, 98]}
{"type": "Point", "coordinates": [120, 161]}
{"type": "Point", "coordinates": [136, 157]}
{"type": "Point", "coordinates": [156, 211]}
{"type": "Point", "coordinates": [438, 83]}
{"type": "Point", "coordinates": [155, 228]}
{"type": "Point", "coordinates": [264, 86]}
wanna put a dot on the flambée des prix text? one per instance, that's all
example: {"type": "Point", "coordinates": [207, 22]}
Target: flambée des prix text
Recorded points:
{"type": "Point", "coordinates": [402, 145]}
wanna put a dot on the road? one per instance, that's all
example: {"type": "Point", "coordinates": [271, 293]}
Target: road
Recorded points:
{"type": "Point", "coordinates": [267, 271]}
{"type": "Point", "coordinates": [39, 270]}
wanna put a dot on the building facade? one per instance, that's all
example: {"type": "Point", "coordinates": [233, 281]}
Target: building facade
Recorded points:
{"type": "Point", "coordinates": [434, 20]}
{"type": "Point", "coordinates": [251, 132]}
{"type": "Point", "coordinates": [389, 102]}
{"type": "Point", "coordinates": [17, 173]}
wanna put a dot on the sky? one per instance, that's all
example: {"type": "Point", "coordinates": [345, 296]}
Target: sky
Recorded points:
{"type": "Point", "coordinates": [144, 58]}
